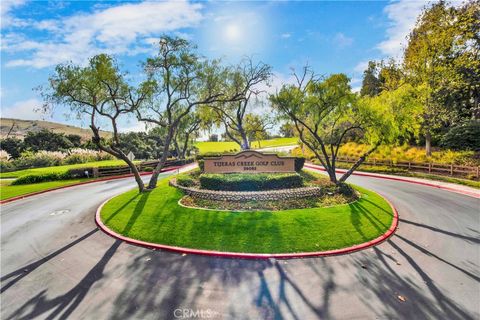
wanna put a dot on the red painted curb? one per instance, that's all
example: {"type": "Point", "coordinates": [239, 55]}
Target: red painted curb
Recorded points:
{"type": "Point", "coordinates": [372, 175]}
{"type": "Point", "coordinates": [241, 255]}
{"type": "Point", "coordinates": [81, 183]}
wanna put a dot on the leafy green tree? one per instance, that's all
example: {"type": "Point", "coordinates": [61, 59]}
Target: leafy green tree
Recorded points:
{"type": "Point", "coordinates": [75, 140]}
{"type": "Point", "coordinates": [371, 84]}
{"type": "Point", "coordinates": [183, 81]}
{"type": "Point", "coordinates": [234, 115]}
{"type": "Point", "coordinates": [46, 140]}
{"type": "Point", "coordinates": [442, 60]}
{"type": "Point", "coordinates": [139, 143]}
{"type": "Point", "coordinates": [459, 91]}
{"type": "Point", "coordinates": [13, 146]}
{"type": "Point", "coordinates": [325, 112]}
{"type": "Point", "coordinates": [186, 134]}
{"type": "Point", "coordinates": [257, 127]}
{"type": "Point", "coordinates": [100, 92]}
{"type": "Point", "coordinates": [287, 130]}
{"type": "Point", "coordinates": [213, 137]}
{"type": "Point", "coordinates": [463, 137]}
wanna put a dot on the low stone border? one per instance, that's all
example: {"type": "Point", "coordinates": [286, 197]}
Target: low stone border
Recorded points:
{"type": "Point", "coordinates": [281, 194]}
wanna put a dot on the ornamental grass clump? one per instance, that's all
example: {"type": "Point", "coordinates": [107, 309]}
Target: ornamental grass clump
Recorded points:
{"type": "Point", "coordinates": [79, 155]}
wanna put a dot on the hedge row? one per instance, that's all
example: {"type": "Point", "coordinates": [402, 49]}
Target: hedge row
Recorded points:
{"type": "Point", "coordinates": [37, 178]}
{"type": "Point", "coordinates": [250, 182]}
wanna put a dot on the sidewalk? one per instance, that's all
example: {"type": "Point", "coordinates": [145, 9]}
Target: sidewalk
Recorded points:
{"type": "Point", "coordinates": [431, 183]}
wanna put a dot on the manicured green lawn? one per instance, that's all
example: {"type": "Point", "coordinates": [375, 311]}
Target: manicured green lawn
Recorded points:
{"type": "Point", "coordinates": [8, 191]}
{"type": "Point", "coordinates": [157, 217]}
{"type": "Point", "coordinates": [19, 173]}
{"type": "Point", "coordinates": [222, 146]}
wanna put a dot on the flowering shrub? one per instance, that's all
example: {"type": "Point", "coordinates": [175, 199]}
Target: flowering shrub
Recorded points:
{"type": "Point", "coordinates": [5, 163]}
{"type": "Point", "coordinates": [86, 155]}
{"type": "Point", "coordinates": [400, 153]}
{"type": "Point", "coordinates": [41, 158]}
{"type": "Point", "coordinates": [4, 156]}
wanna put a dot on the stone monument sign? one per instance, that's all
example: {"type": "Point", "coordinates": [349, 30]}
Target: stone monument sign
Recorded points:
{"type": "Point", "coordinates": [249, 162]}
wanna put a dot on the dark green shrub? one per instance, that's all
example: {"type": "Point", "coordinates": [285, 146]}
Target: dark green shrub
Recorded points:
{"type": "Point", "coordinates": [463, 137]}
{"type": "Point", "coordinates": [201, 165]}
{"type": "Point", "coordinates": [185, 181]}
{"type": "Point", "coordinates": [13, 146]}
{"type": "Point", "coordinates": [6, 166]}
{"type": "Point", "coordinates": [250, 182]}
{"type": "Point", "coordinates": [345, 189]}
{"type": "Point", "coordinates": [37, 178]}
{"type": "Point", "coordinates": [299, 162]}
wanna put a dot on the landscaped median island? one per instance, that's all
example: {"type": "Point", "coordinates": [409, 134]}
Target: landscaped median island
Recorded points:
{"type": "Point", "coordinates": [335, 218]}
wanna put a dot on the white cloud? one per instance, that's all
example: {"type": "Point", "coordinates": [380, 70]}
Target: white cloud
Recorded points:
{"type": "Point", "coordinates": [114, 30]}
{"type": "Point", "coordinates": [7, 20]}
{"type": "Point", "coordinates": [285, 35]}
{"type": "Point", "coordinates": [24, 110]}
{"type": "Point", "coordinates": [361, 66]}
{"type": "Point", "coordinates": [402, 15]}
{"type": "Point", "coordinates": [341, 40]}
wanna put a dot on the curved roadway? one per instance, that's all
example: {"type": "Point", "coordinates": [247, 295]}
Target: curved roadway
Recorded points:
{"type": "Point", "coordinates": [56, 264]}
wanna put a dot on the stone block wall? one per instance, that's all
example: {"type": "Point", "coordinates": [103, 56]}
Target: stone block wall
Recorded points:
{"type": "Point", "coordinates": [294, 193]}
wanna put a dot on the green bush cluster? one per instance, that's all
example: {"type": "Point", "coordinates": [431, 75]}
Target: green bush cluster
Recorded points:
{"type": "Point", "coordinates": [250, 182]}
{"type": "Point", "coordinates": [185, 181]}
{"type": "Point", "coordinates": [37, 178]}
{"type": "Point", "coordinates": [299, 162]}
{"type": "Point", "coordinates": [463, 137]}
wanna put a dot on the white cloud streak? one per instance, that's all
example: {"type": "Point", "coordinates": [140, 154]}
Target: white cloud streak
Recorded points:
{"type": "Point", "coordinates": [122, 29]}
{"type": "Point", "coordinates": [402, 15]}
{"type": "Point", "coordinates": [24, 109]}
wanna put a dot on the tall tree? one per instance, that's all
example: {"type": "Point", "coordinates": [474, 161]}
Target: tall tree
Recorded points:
{"type": "Point", "coordinates": [249, 78]}
{"type": "Point", "coordinates": [287, 130]}
{"type": "Point", "coordinates": [442, 59]}
{"type": "Point", "coordinates": [257, 127]}
{"type": "Point", "coordinates": [371, 84]}
{"type": "Point", "coordinates": [100, 92]}
{"type": "Point", "coordinates": [183, 80]}
{"type": "Point", "coordinates": [186, 134]}
{"type": "Point", "coordinates": [325, 112]}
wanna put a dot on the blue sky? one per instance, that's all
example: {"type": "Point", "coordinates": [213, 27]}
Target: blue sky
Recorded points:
{"type": "Point", "coordinates": [332, 37]}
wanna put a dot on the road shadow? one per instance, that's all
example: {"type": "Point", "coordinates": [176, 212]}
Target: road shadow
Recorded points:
{"type": "Point", "coordinates": [63, 305]}
{"type": "Point", "coordinates": [390, 284]}
{"type": "Point", "coordinates": [19, 274]}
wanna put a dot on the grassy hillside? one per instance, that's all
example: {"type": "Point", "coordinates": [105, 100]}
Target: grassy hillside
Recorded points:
{"type": "Point", "coordinates": [21, 127]}
{"type": "Point", "coordinates": [222, 146]}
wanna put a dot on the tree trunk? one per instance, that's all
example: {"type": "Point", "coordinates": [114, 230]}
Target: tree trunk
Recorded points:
{"type": "Point", "coordinates": [119, 154]}
{"type": "Point", "coordinates": [177, 148]}
{"type": "Point", "coordinates": [357, 164]}
{"type": "Point", "coordinates": [136, 174]}
{"type": "Point", "coordinates": [152, 184]}
{"type": "Point", "coordinates": [428, 143]}
{"type": "Point", "coordinates": [245, 144]}
{"type": "Point", "coordinates": [332, 175]}
{"type": "Point", "coordinates": [185, 147]}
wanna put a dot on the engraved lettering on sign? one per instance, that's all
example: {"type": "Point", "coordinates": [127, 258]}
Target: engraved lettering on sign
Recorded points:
{"type": "Point", "coordinates": [249, 161]}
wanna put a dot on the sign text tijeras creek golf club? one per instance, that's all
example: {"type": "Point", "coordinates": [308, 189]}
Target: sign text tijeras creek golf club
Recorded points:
{"type": "Point", "coordinates": [249, 161]}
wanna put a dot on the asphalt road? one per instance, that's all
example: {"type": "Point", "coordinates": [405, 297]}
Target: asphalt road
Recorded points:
{"type": "Point", "coordinates": [55, 264]}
